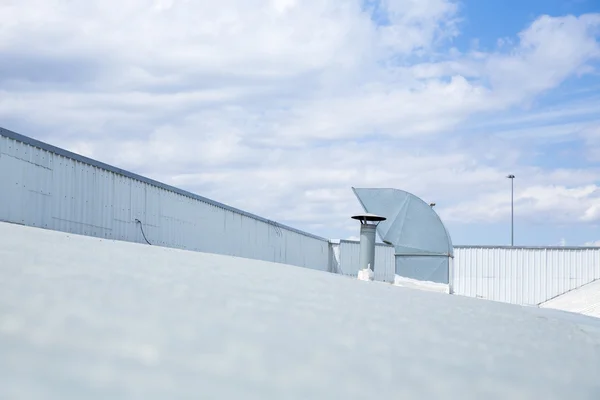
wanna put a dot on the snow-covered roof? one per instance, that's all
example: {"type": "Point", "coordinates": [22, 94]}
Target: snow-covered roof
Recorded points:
{"type": "Point", "coordinates": [82, 318]}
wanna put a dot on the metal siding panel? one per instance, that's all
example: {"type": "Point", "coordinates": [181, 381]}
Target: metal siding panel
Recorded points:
{"type": "Point", "coordinates": [527, 276]}
{"type": "Point", "coordinates": [73, 196]}
{"type": "Point", "coordinates": [385, 263]}
{"type": "Point", "coordinates": [60, 194]}
{"type": "Point", "coordinates": [349, 257]}
{"type": "Point", "coordinates": [37, 192]}
{"type": "Point", "coordinates": [385, 266]}
{"type": "Point", "coordinates": [451, 275]}
{"type": "Point", "coordinates": [11, 176]}
{"type": "Point", "coordinates": [25, 177]}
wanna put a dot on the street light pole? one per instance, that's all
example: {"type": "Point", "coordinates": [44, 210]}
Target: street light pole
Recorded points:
{"type": "Point", "coordinates": [512, 209]}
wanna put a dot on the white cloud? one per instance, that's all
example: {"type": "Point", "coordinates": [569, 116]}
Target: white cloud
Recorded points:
{"type": "Point", "coordinates": [549, 51]}
{"type": "Point", "coordinates": [534, 203]}
{"type": "Point", "coordinates": [415, 25]}
{"type": "Point", "coordinates": [279, 107]}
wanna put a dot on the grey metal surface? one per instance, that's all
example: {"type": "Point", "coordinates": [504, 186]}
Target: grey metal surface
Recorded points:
{"type": "Point", "coordinates": [412, 225]}
{"type": "Point", "coordinates": [522, 275]}
{"type": "Point", "coordinates": [84, 318]}
{"type": "Point", "coordinates": [415, 230]}
{"type": "Point", "coordinates": [349, 260]}
{"type": "Point", "coordinates": [428, 268]}
{"type": "Point", "coordinates": [41, 185]}
{"type": "Point", "coordinates": [367, 247]}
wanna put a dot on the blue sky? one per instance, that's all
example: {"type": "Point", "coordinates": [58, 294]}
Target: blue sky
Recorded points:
{"type": "Point", "coordinates": [487, 21]}
{"type": "Point", "coordinates": [279, 107]}
{"type": "Point", "coordinates": [482, 25]}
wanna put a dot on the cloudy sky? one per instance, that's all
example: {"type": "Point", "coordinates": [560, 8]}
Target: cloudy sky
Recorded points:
{"type": "Point", "coordinates": [279, 107]}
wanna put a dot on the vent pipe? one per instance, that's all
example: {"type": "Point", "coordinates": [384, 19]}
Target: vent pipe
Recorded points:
{"type": "Point", "coordinates": [368, 230]}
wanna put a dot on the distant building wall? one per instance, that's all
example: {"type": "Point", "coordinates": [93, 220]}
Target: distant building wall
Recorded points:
{"type": "Point", "coordinates": [522, 275]}
{"type": "Point", "coordinates": [347, 260]}
{"type": "Point", "coordinates": [48, 187]}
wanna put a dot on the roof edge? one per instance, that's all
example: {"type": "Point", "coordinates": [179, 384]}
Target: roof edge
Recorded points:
{"type": "Point", "coordinates": [508, 247]}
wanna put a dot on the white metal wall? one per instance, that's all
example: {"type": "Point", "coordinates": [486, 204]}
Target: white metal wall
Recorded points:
{"type": "Point", "coordinates": [348, 253]}
{"type": "Point", "coordinates": [42, 188]}
{"type": "Point", "coordinates": [522, 275]}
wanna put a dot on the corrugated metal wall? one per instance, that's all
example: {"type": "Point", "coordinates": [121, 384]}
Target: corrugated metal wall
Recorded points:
{"type": "Point", "coordinates": [348, 253]}
{"type": "Point", "coordinates": [520, 275]}
{"type": "Point", "coordinates": [50, 189]}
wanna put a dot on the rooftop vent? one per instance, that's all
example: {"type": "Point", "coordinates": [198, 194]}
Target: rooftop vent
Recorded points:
{"type": "Point", "coordinates": [368, 229]}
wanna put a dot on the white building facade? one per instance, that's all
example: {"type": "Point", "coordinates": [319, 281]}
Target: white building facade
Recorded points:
{"type": "Point", "coordinates": [522, 275]}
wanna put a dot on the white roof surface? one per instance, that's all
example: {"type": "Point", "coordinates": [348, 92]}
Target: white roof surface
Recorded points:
{"type": "Point", "coordinates": [84, 318]}
{"type": "Point", "coordinates": [584, 300]}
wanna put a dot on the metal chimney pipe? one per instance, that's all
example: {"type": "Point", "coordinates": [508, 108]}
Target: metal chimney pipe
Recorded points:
{"type": "Point", "coordinates": [368, 230]}
{"type": "Point", "coordinates": [367, 246]}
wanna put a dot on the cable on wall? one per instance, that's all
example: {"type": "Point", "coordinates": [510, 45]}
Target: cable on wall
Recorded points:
{"type": "Point", "coordinates": [142, 229]}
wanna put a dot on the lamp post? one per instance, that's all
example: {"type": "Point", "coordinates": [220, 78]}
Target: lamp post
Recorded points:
{"type": "Point", "coordinates": [512, 209]}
